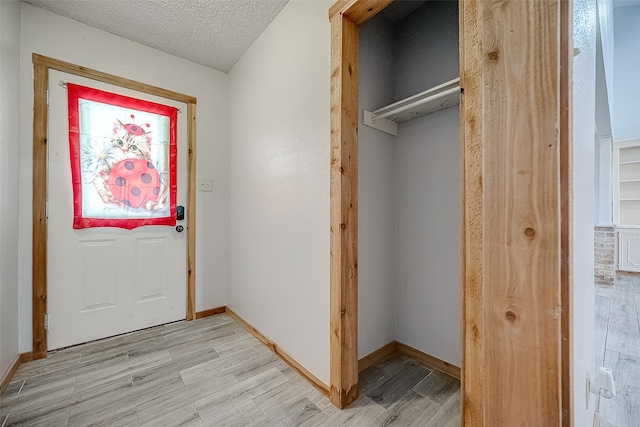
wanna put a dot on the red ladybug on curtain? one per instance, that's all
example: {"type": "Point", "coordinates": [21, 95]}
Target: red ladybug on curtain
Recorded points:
{"type": "Point", "coordinates": [134, 181]}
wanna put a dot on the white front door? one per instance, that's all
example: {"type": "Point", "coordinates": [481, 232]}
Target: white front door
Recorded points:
{"type": "Point", "coordinates": [107, 281]}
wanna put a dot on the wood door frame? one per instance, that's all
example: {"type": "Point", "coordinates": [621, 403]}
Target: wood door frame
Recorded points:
{"type": "Point", "coordinates": [345, 17]}
{"type": "Point", "coordinates": [488, 325]}
{"type": "Point", "coordinates": [41, 67]}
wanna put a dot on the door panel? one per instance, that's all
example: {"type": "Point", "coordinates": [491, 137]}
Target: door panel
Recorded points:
{"type": "Point", "coordinates": [107, 281]}
{"type": "Point", "coordinates": [150, 250]}
{"type": "Point", "coordinates": [97, 291]}
{"type": "Point", "coordinates": [629, 252]}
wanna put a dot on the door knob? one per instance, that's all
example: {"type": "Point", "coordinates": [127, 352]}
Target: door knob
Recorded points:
{"type": "Point", "coordinates": [179, 228]}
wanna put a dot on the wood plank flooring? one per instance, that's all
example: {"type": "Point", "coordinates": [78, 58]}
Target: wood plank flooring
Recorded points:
{"type": "Point", "coordinates": [212, 372]}
{"type": "Point", "coordinates": [618, 347]}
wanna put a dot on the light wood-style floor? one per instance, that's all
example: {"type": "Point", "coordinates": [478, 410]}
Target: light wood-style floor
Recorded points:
{"type": "Point", "coordinates": [618, 348]}
{"type": "Point", "coordinates": [212, 372]}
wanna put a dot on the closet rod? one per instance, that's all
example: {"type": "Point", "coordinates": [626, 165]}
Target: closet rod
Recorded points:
{"type": "Point", "coordinates": [437, 98]}
{"type": "Point", "coordinates": [417, 103]}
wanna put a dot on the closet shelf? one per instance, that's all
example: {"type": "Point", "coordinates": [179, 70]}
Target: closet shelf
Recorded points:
{"type": "Point", "coordinates": [437, 98]}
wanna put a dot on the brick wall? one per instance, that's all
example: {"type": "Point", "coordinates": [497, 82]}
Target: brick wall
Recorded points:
{"type": "Point", "coordinates": [605, 252]}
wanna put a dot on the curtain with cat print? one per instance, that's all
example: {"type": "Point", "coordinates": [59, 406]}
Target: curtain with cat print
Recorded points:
{"type": "Point", "coordinates": [123, 160]}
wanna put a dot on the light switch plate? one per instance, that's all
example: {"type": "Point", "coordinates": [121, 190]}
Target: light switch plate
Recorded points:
{"type": "Point", "coordinates": [205, 184]}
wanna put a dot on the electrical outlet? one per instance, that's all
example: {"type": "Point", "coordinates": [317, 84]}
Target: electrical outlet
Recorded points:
{"type": "Point", "coordinates": [205, 184]}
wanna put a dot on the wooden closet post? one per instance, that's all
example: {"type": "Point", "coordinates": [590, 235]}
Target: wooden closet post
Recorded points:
{"type": "Point", "coordinates": [345, 16]}
{"type": "Point", "coordinates": [514, 142]}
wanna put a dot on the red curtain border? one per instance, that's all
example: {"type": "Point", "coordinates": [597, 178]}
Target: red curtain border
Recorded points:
{"type": "Point", "coordinates": [76, 92]}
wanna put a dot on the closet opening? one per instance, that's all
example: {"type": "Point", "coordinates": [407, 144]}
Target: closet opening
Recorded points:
{"type": "Point", "coordinates": [400, 210]}
{"type": "Point", "coordinates": [409, 188]}
{"type": "Point", "coordinates": [514, 271]}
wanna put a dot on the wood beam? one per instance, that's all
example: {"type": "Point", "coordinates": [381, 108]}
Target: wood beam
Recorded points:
{"type": "Point", "coordinates": [191, 213]}
{"type": "Point", "coordinates": [344, 212]}
{"type": "Point", "coordinates": [39, 215]}
{"type": "Point", "coordinates": [357, 11]}
{"type": "Point", "coordinates": [566, 280]}
{"type": "Point", "coordinates": [512, 206]}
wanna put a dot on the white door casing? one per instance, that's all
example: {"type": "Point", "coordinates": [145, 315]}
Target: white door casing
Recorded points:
{"type": "Point", "coordinates": [107, 281]}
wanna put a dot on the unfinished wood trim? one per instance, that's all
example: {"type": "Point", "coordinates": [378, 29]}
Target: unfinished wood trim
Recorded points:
{"type": "Point", "coordinates": [211, 312]}
{"type": "Point", "coordinates": [344, 213]}
{"type": "Point", "coordinates": [41, 66]}
{"type": "Point", "coordinates": [8, 375]}
{"type": "Point", "coordinates": [434, 362]}
{"type": "Point", "coordinates": [357, 11]}
{"type": "Point", "coordinates": [286, 357]}
{"type": "Point", "coordinates": [26, 357]}
{"type": "Point", "coordinates": [396, 347]}
{"type": "Point", "coordinates": [566, 171]}
{"type": "Point", "coordinates": [191, 213]}
{"type": "Point", "coordinates": [339, 7]}
{"type": "Point", "coordinates": [39, 218]}
{"type": "Point", "coordinates": [510, 73]}
{"type": "Point", "coordinates": [377, 356]}
{"type": "Point", "coordinates": [471, 386]}
{"type": "Point", "coordinates": [100, 76]}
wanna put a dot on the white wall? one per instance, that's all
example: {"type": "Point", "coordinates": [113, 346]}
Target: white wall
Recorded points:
{"type": "Point", "coordinates": [626, 90]}
{"type": "Point", "coordinates": [428, 300]}
{"type": "Point", "coordinates": [605, 26]}
{"type": "Point", "coordinates": [58, 37]}
{"type": "Point", "coordinates": [427, 189]}
{"type": "Point", "coordinates": [9, 172]}
{"type": "Point", "coordinates": [604, 108]}
{"type": "Point", "coordinates": [427, 53]}
{"type": "Point", "coordinates": [376, 210]}
{"type": "Point", "coordinates": [279, 184]}
{"type": "Point", "coordinates": [583, 159]}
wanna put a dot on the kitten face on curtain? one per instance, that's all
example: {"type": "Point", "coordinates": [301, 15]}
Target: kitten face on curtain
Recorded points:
{"type": "Point", "coordinates": [132, 140]}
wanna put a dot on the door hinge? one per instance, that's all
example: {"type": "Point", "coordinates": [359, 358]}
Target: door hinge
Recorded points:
{"type": "Point", "coordinates": [46, 209]}
{"type": "Point", "coordinates": [47, 97]}
{"type": "Point", "coordinates": [46, 321]}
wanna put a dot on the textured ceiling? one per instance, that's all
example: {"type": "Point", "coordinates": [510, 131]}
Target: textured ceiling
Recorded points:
{"type": "Point", "coordinates": [213, 33]}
